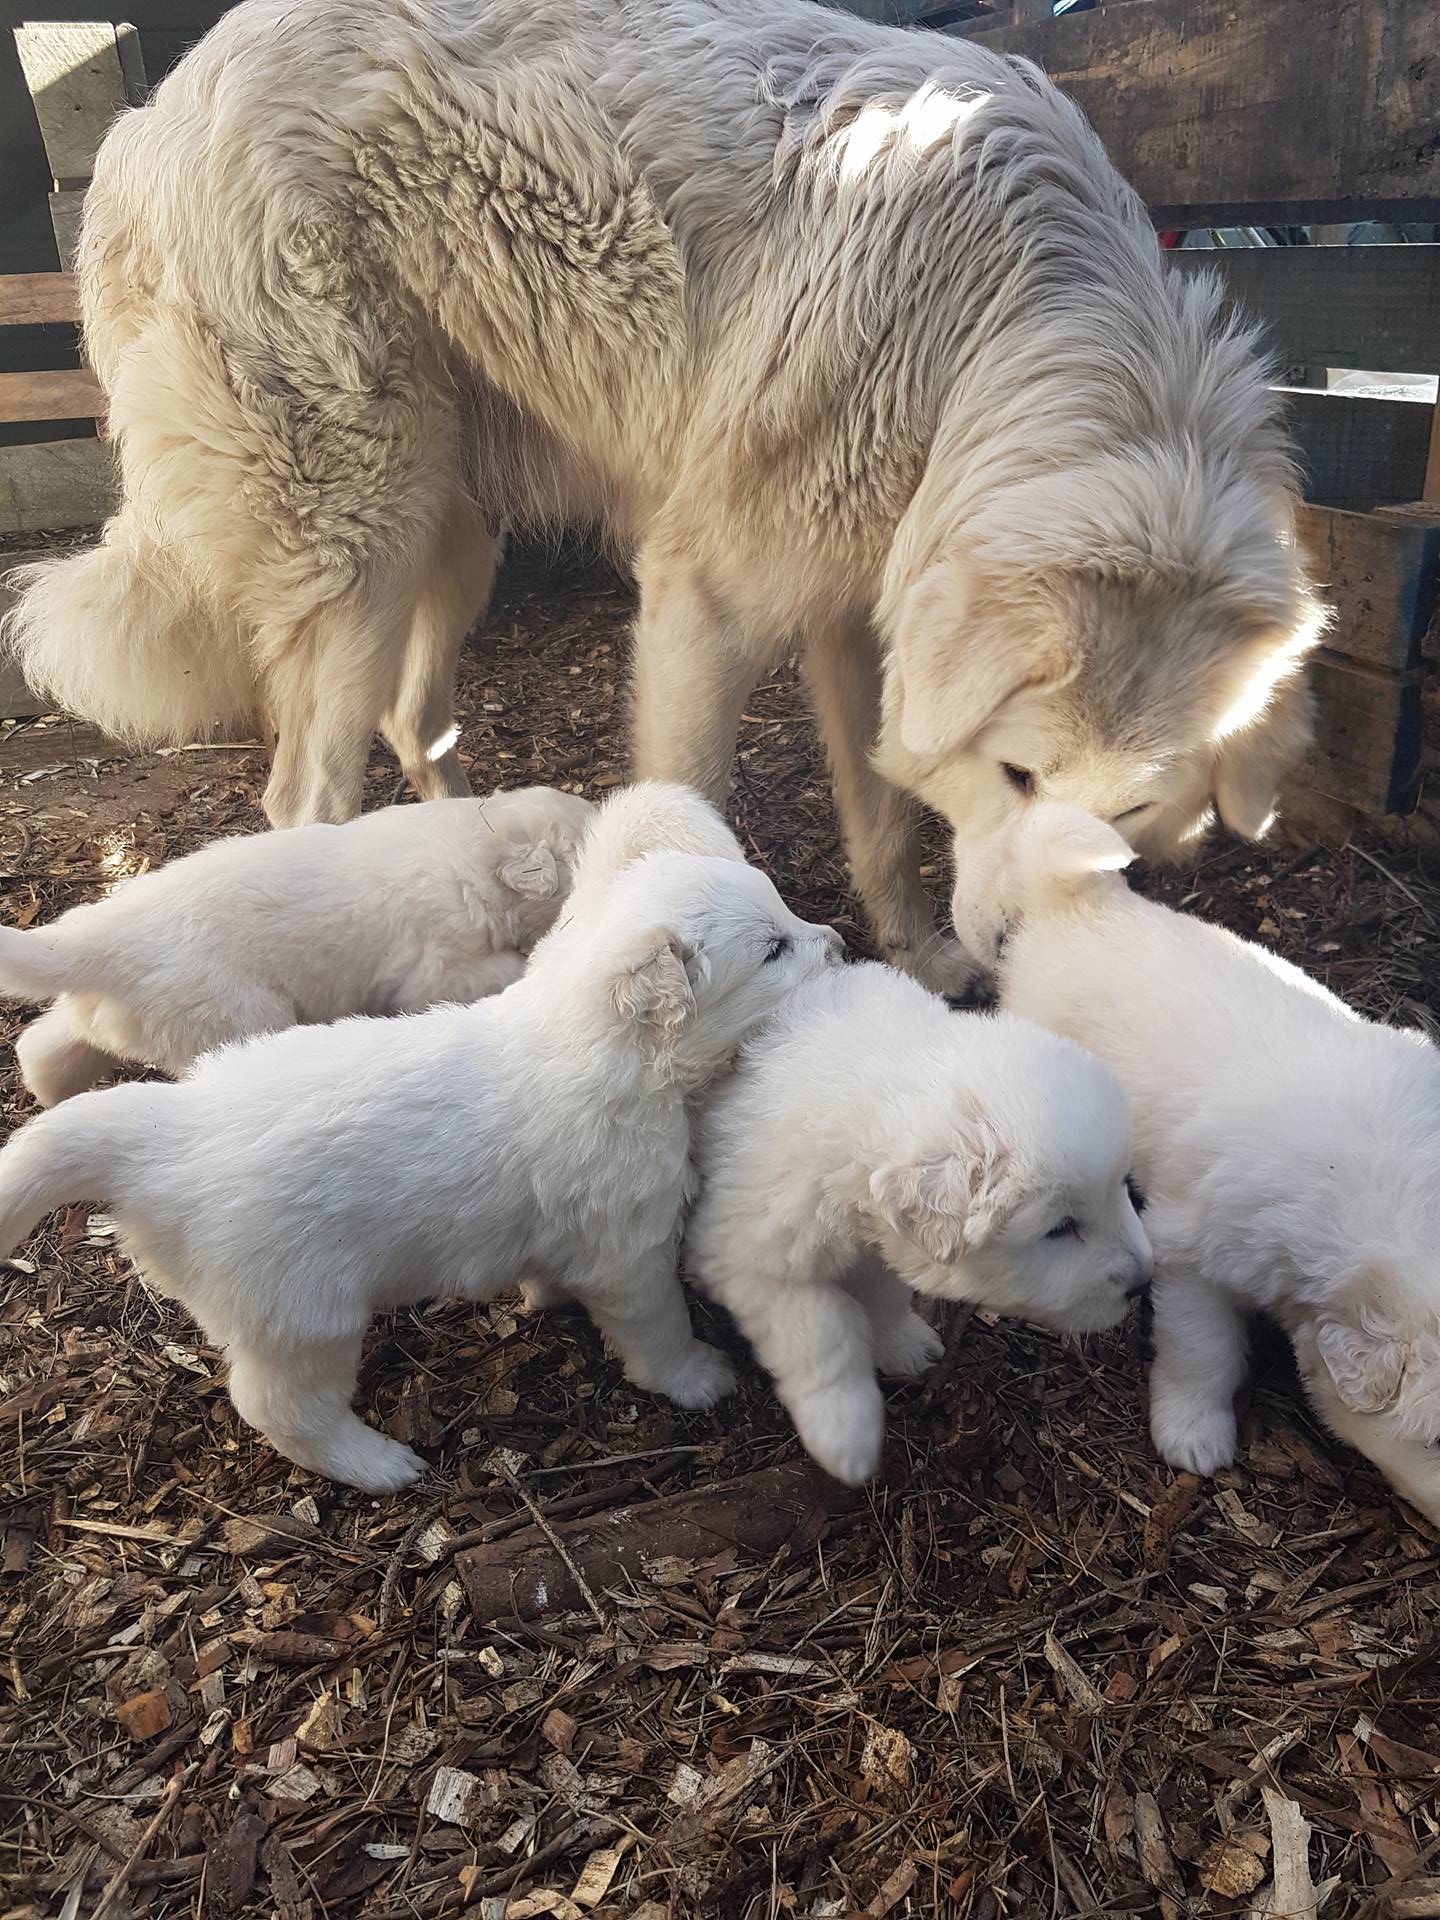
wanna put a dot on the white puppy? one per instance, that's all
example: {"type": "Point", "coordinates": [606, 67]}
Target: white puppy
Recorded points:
{"type": "Point", "coordinates": [390, 913]}
{"type": "Point", "coordinates": [870, 1133]}
{"type": "Point", "coordinates": [292, 1186]}
{"type": "Point", "coordinates": [1290, 1151]}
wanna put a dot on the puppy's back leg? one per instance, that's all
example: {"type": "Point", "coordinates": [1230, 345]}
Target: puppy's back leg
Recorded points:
{"type": "Point", "coordinates": [643, 1316]}
{"type": "Point", "coordinates": [299, 1399]}
{"type": "Point", "coordinates": [55, 1058]}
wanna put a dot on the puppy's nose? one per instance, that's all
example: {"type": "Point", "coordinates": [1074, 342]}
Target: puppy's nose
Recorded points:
{"type": "Point", "coordinates": [1139, 1291]}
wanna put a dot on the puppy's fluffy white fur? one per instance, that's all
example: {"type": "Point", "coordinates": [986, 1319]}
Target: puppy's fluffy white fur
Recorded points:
{"type": "Point", "coordinates": [1289, 1149]}
{"type": "Point", "coordinates": [292, 1186]}
{"type": "Point", "coordinates": [390, 913]}
{"type": "Point", "coordinates": [872, 1142]}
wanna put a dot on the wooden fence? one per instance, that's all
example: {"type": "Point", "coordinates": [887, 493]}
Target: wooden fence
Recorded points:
{"type": "Point", "coordinates": [1284, 112]}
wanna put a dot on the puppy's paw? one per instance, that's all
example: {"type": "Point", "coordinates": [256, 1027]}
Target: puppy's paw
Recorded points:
{"type": "Point", "coordinates": [1193, 1435]}
{"type": "Point", "coordinates": [375, 1464]}
{"type": "Point", "coordinates": [942, 965]}
{"type": "Point", "coordinates": [702, 1378]}
{"type": "Point", "coordinates": [537, 1295]}
{"type": "Point", "coordinates": [909, 1349]}
{"type": "Point", "coordinates": [844, 1431]}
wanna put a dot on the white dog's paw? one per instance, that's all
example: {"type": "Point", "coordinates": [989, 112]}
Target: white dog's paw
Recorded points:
{"type": "Point", "coordinates": [1193, 1435]}
{"type": "Point", "coordinates": [537, 1295]}
{"type": "Point", "coordinates": [370, 1461]}
{"type": "Point", "coordinates": [843, 1430]}
{"type": "Point", "coordinates": [698, 1381]}
{"type": "Point", "coordinates": [909, 1349]}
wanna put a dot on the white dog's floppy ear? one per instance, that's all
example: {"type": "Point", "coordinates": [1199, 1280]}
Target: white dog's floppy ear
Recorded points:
{"type": "Point", "coordinates": [956, 661]}
{"type": "Point", "coordinates": [531, 872]}
{"type": "Point", "coordinates": [1365, 1361]}
{"type": "Point", "coordinates": [651, 986]}
{"type": "Point", "coordinates": [948, 1205]}
{"type": "Point", "coordinates": [1057, 842]}
{"type": "Point", "coordinates": [1251, 762]}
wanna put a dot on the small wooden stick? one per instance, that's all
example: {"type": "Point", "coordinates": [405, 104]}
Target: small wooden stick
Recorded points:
{"type": "Point", "coordinates": [115, 1886]}
{"type": "Point", "coordinates": [559, 1545]}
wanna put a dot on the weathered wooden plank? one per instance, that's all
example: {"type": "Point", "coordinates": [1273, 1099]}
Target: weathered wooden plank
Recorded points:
{"type": "Point", "coordinates": [1380, 578]}
{"type": "Point", "coordinates": [1372, 307]}
{"type": "Point", "coordinates": [1367, 736]}
{"type": "Point", "coordinates": [1323, 107]}
{"type": "Point", "coordinates": [67, 393]}
{"type": "Point", "coordinates": [1358, 452]}
{"type": "Point", "coordinates": [65, 210]}
{"type": "Point", "coordinates": [73, 70]}
{"type": "Point", "coordinates": [62, 483]}
{"type": "Point", "coordinates": [35, 299]}
{"type": "Point", "coordinates": [17, 702]}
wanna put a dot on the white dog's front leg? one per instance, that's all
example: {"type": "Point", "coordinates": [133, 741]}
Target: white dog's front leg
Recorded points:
{"type": "Point", "coordinates": [692, 679]}
{"type": "Point", "coordinates": [1200, 1360]}
{"type": "Point", "coordinates": [644, 1318]}
{"type": "Point", "coordinates": [903, 1343]}
{"type": "Point", "coordinates": [879, 823]}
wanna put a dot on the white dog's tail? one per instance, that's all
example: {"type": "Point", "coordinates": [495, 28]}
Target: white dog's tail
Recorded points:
{"type": "Point", "coordinates": [1058, 848]}
{"type": "Point", "coordinates": [40, 963]}
{"type": "Point", "coordinates": [653, 817]}
{"type": "Point", "coordinates": [74, 1152]}
{"type": "Point", "coordinates": [119, 636]}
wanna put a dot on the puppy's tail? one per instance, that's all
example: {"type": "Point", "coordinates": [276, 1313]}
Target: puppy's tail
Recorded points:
{"type": "Point", "coordinates": [120, 636]}
{"type": "Point", "coordinates": [41, 963]}
{"type": "Point", "coordinates": [652, 817]}
{"type": "Point", "coordinates": [74, 1152]}
{"type": "Point", "coordinates": [1058, 849]}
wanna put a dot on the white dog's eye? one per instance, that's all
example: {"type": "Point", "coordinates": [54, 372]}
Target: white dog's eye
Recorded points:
{"type": "Point", "coordinates": [1133, 813]}
{"type": "Point", "coordinates": [1021, 778]}
{"type": "Point", "coordinates": [776, 949]}
{"type": "Point", "coordinates": [1067, 1229]}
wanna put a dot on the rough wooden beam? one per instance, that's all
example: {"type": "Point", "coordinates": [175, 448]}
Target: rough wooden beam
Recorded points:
{"type": "Point", "coordinates": [69, 393]}
{"type": "Point", "coordinates": [1380, 576]}
{"type": "Point", "coordinates": [1367, 736]}
{"type": "Point", "coordinates": [1371, 307]}
{"type": "Point", "coordinates": [36, 299]}
{"type": "Point", "coordinates": [62, 483]}
{"type": "Point", "coordinates": [1359, 452]}
{"type": "Point", "coordinates": [73, 70]}
{"type": "Point", "coordinates": [1291, 110]}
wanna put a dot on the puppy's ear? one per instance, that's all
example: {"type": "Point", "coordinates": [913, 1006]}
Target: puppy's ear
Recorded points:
{"type": "Point", "coordinates": [950, 1204]}
{"type": "Point", "coordinates": [532, 872]}
{"type": "Point", "coordinates": [652, 986]}
{"type": "Point", "coordinates": [1365, 1360]}
{"type": "Point", "coordinates": [956, 659]}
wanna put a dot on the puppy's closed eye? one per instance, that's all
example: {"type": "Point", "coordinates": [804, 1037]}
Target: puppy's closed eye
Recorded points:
{"type": "Point", "coordinates": [776, 950]}
{"type": "Point", "coordinates": [1067, 1229]}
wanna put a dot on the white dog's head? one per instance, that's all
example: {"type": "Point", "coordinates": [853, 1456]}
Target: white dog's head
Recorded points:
{"type": "Point", "coordinates": [1012, 1190]}
{"type": "Point", "coordinates": [529, 839]}
{"type": "Point", "coordinates": [650, 816]}
{"type": "Point", "coordinates": [1128, 638]}
{"type": "Point", "coordinates": [691, 952]}
{"type": "Point", "coordinates": [1051, 857]}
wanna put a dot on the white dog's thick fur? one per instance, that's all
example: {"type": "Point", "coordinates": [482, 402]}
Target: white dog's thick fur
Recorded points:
{"type": "Point", "coordinates": [391, 913]}
{"type": "Point", "coordinates": [1290, 1152]}
{"type": "Point", "coordinates": [872, 1142]}
{"type": "Point", "coordinates": [292, 1186]}
{"type": "Point", "coordinates": [853, 335]}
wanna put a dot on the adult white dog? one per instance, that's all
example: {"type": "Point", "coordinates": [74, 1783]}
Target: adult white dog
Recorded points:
{"type": "Point", "coordinates": [871, 1142]}
{"type": "Point", "coordinates": [852, 335]}
{"type": "Point", "coordinates": [291, 1187]}
{"type": "Point", "coordinates": [390, 913]}
{"type": "Point", "coordinates": [1290, 1151]}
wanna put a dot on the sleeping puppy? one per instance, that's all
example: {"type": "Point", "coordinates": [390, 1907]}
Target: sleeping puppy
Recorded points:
{"type": "Point", "coordinates": [293, 1186]}
{"type": "Point", "coordinates": [871, 1143]}
{"type": "Point", "coordinates": [390, 913]}
{"type": "Point", "coordinates": [1290, 1150]}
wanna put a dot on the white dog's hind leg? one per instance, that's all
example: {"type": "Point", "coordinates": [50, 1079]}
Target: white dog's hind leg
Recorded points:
{"type": "Point", "coordinates": [880, 824]}
{"type": "Point", "coordinates": [692, 679]}
{"type": "Point", "coordinates": [454, 591]}
{"type": "Point", "coordinates": [903, 1343]}
{"type": "Point", "coordinates": [299, 1399]}
{"type": "Point", "coordinates": [56, 1060]}
{"type": "Point", "coordinates": [645, 1319]}
{"type": "Point", "coordinates": [1200, 1359]}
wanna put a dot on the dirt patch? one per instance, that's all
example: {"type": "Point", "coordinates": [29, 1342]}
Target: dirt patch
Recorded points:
{"type": "Point", "coordinates": [1029, 1672]}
